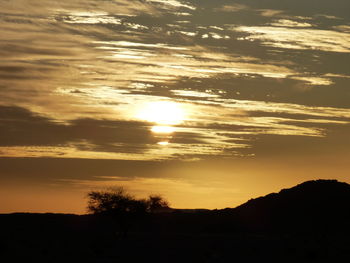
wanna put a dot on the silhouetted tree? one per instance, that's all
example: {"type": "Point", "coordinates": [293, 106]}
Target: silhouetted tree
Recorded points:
{"type": "Point", "coordinates": [123, 207]}
{"type": "Point", "coordinates": [157, 203]}
{"type": "Point", "coordinates": [120, 205]}
{"type": "Point", "coordinates": [114, 201]}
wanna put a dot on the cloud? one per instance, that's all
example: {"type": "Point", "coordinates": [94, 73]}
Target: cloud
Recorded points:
{"type": "Point", "coordinates": [304, 39]}
{"type": "Point", "coordinates": [20, 127]}
{"type": "Point", "coordinates": [231, 8]}
{"type": "Point", "coordinates": [290, 23]}
{"type": "Point", "coordinates": [26, 134]}
{"type": "Point", "coordinates": [40, 8]}
{"type": "Point", "coordinates": [343, 28]}
{"type": "Point", "coordinates": [173, 4]}
{"type": "Point", "coordinates": [76, 70]}
{"type": "Point", "coordinates": [270, 12]}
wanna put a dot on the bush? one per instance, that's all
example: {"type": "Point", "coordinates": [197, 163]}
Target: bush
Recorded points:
{"type": "Point", "coordinates": [123, 207]}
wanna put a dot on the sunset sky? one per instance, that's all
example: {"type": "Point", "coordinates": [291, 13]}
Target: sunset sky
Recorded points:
{"type": "Point", "coordinates": [207, 102]}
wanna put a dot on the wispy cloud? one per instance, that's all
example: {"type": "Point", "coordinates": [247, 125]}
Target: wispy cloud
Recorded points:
{"type": "Point", "coordinates": [231, 8]}
{"type": "Point", "coordinates": [306, 39]}
{"type": "Point", "coordinates": [270, 12]}
{"type": "Point", "coordinates": [174, 4]}
{"type": "Point", "coordinates": [290, 23]}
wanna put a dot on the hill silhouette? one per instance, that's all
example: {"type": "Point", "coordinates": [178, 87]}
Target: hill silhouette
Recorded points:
{"type": "Point", "coordinates": [308, 206]}
{"type": "Point", "coordinates": [305, 223]}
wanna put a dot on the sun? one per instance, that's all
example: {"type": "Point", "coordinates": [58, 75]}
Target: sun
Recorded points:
{"type": "Point", "coordinates": [163, 129]}
{"type": "Point", "coordinates": [162, 113]}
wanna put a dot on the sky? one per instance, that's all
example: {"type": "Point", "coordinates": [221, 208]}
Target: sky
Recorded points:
{"type": "Point", "coordinates": [208, 103]}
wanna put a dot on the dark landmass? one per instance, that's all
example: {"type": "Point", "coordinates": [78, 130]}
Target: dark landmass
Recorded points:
{"type": "Point", "coordinates": [307, 223]}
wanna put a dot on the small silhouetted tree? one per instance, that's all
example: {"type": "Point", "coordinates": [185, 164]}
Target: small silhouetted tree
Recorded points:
{"type": "Point", "coordinates": [114, 201]}
{"type": "Point", "coordinates": [156, 203]}
{"type": "Point", "coordinates": [123, 207]}
{"type": "Point", "coordinates": [120, 205]}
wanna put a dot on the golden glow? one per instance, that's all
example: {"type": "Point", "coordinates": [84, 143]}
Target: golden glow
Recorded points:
{"type": "Point", "coordinates": [163, 129]}
{"type": "Point", "coordinates": [165, 143]}
{"type": "Point", "coordinates": [163, 113]}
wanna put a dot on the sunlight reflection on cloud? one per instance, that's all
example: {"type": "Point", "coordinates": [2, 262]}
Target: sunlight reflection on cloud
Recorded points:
{"type": "Point", "coordinates": [312, 39]}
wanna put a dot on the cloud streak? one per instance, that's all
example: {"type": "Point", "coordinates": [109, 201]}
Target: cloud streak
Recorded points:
{"type": "Point", "coordinates": [305, 39]}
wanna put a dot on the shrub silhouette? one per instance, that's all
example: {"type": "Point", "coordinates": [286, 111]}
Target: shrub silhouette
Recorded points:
{"type": "Point", "coordinates": [114, 201]}
{"type": "Point", "coordinates": [118, 204]}
{"type": "Point", "coordinates": [156, 203]}
{"type": "Point", "coordinates": [124, 208]}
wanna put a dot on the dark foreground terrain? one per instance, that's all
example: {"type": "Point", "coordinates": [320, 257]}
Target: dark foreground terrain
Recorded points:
{"type": "Point", "coordinates": [306, 223]}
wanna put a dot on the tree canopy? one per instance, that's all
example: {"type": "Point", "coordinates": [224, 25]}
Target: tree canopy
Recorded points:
{"type": "Point", "coordinates": [116, 201]}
